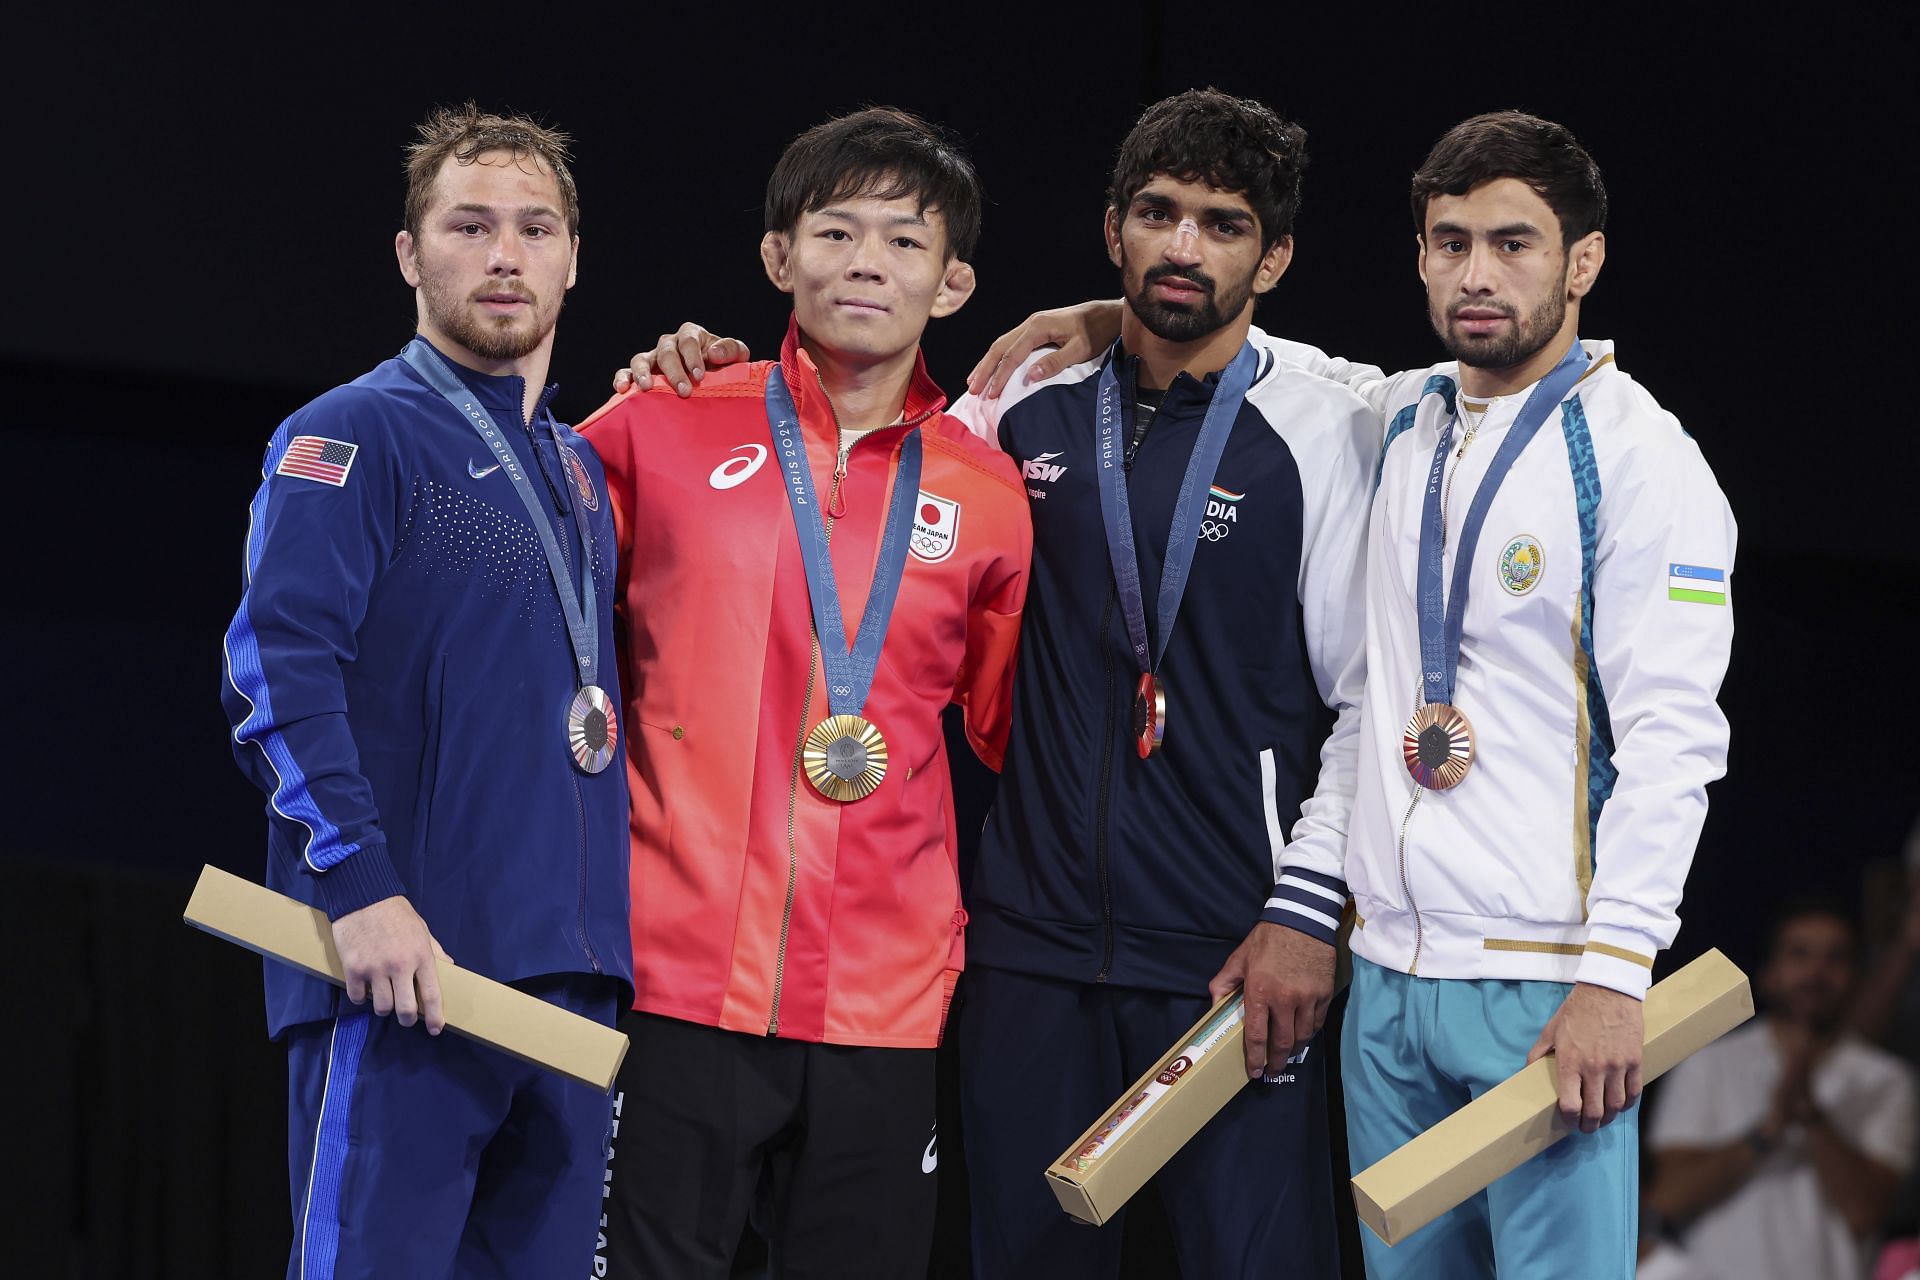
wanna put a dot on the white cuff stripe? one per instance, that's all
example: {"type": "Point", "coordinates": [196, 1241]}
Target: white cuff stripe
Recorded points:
{"type": "Point", "coordinates": [1319, 890]}
{"type": "Point", "coordinates": [1286, 905]}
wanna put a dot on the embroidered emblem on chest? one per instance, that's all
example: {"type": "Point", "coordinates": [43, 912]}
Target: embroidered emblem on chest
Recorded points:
{"type": "Point", "coordinates": [936, 527]}
{"type": "Point", "coordinates": [1521, 564]}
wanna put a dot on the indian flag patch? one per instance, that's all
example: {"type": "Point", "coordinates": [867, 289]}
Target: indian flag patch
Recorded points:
{"type": "Point", "coordinates": [1696, 584]}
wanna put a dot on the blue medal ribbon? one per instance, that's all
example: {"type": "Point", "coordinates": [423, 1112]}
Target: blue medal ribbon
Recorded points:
{"type": "Point", "coordinates": [1443, 615]}
{"type": "Point", "coordinates": [1189, 509]}
{"type": "Point", "coordinates": [849, 672]}
{"type": "Point", "coordinates": [579, 611]}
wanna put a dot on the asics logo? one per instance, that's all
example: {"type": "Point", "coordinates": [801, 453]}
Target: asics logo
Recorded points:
{"type": "Point", "coordinates": [738, 469]}
{"type": "Point", "coordinates": [930, 1158]}
{"type": "Point", "coordinates": [481, 473]}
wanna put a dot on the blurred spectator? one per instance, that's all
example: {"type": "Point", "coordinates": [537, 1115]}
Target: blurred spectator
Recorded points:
{"type": "Point", "coordinates": [1781, 1146]}
{"type": "Point", "coordinates": [1659, 1258]}
{"type": "Point", "coordinates": [1888, 1010]}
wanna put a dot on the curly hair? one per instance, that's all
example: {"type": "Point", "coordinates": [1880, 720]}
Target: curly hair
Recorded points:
{"type": "Point", "coordinates": [1229, 143]}
{"type": "Point", "coordinates": [466, 133]}
{"type": "Point", "coordinates": [1513, 144]}
{"type": "Point", "coordinates": [883, 153]}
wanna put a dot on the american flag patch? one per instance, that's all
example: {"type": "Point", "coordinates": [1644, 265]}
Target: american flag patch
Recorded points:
{"type": "Point", "coordinates": [318, 458]}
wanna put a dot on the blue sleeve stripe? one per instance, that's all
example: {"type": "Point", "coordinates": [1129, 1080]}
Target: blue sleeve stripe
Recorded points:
{"type": "Point", "coordinates": [292, 798]}
{"type": "Point", "coordinates": [319, 1243]}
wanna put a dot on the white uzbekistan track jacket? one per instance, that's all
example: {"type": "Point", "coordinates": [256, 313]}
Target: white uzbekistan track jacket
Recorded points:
{"type": "Point", "coordinates": [1596, 635]}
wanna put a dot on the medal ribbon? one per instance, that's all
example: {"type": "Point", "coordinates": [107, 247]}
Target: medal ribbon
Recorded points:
{"type": "Point", "coordinates": [1189, 509]}
{"type": "Point", "coordinates": [849, 673]}
{"type": "Point", "coordinates": [580, 613]}
{"type": "Point", "coordinates": [1442, 616]}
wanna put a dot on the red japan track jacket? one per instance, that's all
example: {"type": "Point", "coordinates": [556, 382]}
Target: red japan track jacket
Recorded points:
{"type": "Point", "coordinates": [759, 905]}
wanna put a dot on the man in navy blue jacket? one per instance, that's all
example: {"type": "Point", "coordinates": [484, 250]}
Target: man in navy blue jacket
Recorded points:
{"type": "Point", "coordinates": [412, 679]}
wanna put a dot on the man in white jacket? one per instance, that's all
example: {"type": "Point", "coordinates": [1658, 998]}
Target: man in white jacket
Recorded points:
{"type": "Point", "coordinates": [1548, 622]}
{"type": "Point", "coordinates": [1549, 619]}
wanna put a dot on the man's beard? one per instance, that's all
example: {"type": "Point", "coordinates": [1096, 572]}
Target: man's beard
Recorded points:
{"type": "Point", "coordinates": [1175, 323]}
{"type": "Point", "coordinates": [489, 337]}
{"type": "Point", "coordinates": [1524, 340]}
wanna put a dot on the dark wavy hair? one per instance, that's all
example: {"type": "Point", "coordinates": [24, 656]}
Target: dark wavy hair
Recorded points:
{"type": "Point", "coordinates": [1513, 144]}
{"type": "Point", "coordinates": [882, 153]}
{"type": "Point", "coordinates": [1229, 143]}
{"type": "Point", "coordinates": [466, 133]}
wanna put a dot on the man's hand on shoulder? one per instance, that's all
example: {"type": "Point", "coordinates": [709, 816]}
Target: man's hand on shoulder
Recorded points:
{"type": "Point", "coordinates": [680, 359]}
{"type": "Point", "coordinates": [1288, 980]}
{"type": "Point", "coordinates": [389, 954]}
{"type": "Point", "coordinates": [1596, 1038]}
{"type": "Point", "coordinates": [1077, 333]}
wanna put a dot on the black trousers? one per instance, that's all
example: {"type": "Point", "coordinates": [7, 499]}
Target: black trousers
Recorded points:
{"type": "Point", "coordinates": [1041, 1059]}
{"type": "Point", "coordinates": [829, 1150]}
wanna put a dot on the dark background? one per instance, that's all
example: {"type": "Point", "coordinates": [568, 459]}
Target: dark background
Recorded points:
{"type": "Point", "coordinates": [201, 211]}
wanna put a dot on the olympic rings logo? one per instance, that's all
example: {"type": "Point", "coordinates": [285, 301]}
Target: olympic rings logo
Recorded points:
{"type": "Point", "coordinates": [1214, 530]}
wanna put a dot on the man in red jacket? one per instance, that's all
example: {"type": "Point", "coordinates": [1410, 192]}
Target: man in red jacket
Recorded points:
{"type": "Point", "coordinates": [814, 562]}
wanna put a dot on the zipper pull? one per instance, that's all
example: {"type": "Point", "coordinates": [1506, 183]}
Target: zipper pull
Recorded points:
{"type": "Point", "coordinates": [835, 506]}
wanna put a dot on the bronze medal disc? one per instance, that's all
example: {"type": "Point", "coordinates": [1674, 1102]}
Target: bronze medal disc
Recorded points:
{"type": "Point", "coordinates": [844, 758]}
{"type": "Point", "coordinates": [1437, 745]}
{"type": "Point", "coordinates": [593, 732]}
{"type": "Point", "coordinates": [1149, 715]}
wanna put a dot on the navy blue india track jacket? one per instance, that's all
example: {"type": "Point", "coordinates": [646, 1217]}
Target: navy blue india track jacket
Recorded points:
{"type": "Point", "coordinates": [1097, 865]}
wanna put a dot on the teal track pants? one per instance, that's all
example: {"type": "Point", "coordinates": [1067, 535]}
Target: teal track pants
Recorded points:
{"type": "Point", "coordinates": [1414, 1051]}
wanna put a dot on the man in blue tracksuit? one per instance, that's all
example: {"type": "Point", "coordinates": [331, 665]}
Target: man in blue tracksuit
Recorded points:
{"type": "Point", "coordinates": [413, 676]}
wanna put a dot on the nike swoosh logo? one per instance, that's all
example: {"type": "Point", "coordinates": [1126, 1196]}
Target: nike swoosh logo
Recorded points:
{"type": "Point", "coordinates": [481, 473]}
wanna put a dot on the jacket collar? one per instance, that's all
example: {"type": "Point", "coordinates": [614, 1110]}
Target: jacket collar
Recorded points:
{"type": "Point", "coordinates": [1185, 389]}
{"type": "Point", "coordinates": [504, 394]}
{"type": "Point", "coordinates": [924, 397]}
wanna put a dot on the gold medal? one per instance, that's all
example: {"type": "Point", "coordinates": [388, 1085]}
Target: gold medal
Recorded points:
{"type": "Point", "coordinates": [1437, 745]}
{"type": "Point", "coordinates": [845, 758]}
{"type": "Point", "coordinates": [593, 732]}
{"type": "Point", "coordinates": [1149, 715]}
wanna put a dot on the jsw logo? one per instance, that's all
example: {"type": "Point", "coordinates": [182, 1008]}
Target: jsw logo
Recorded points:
{"type": "Point", "coordinates": [1039, 469]}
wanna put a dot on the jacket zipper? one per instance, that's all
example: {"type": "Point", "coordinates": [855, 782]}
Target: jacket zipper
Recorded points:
{"type": "Point", "coordinates": [1406, 820]}
{"type": "Point", "coordinates": [1101, 815]}
{"type": "Point", "coordinates": [579, 800]}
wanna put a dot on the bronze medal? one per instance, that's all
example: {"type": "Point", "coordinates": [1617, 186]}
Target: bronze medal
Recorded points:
{"type": "Point", "coordinates": [1437, 745]}
{"type": "Point", "coordinates": [1149, 715]}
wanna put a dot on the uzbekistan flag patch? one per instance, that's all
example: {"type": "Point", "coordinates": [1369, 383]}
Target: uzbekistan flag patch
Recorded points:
{"type": "Point", "coordinates": [1696, 584]}
{"type": "Point", "coordinates": [318, 458]}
